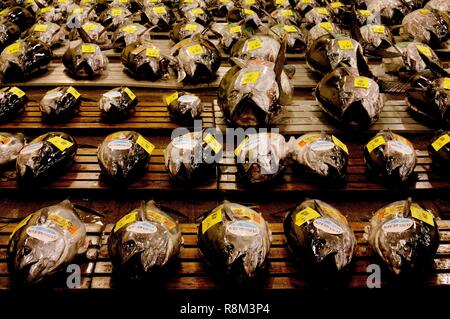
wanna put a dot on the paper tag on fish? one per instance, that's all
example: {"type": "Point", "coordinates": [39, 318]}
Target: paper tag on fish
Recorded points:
{"type": "Point", "coordinates": [236, 29]}
{"type": "Point", "coordinates": [159, 10]}
{"type": "Point", "coordinates": [441, 142]}
{"type": "Point", "coordinates": [64, 223]}
{"type": "Point", "coordinates": [326, 26]}
{"type": "Point", "coordinates": [62, 1]}
{"type": "Point", "coordinates": [290, 29]}
{"type": "Point", "coordinates": [303, 140]}
{"type": "Point", "coordinates": [197, 11]}
{"type": "Point", "coordinates": [305, 1]}
{"type": "Point", "coordinates": [425, 50]}
{"type": "Point", "coordinates": [339, 143]}
{"type": "Point", "coordinates": [243, 228]}
{"type": "Point", "coordinates": [86, 1]}
{"type": "Point", "coordinates": [388, 211]}
{"type": "Point", "coordinates": [152, 52]}
{"type": "Point", "coordinates": [88, 48]}
{"type": "Point", "coordinates": [241, 146]}
{"type": "Point", "coordinates": [328, 226]}
{"type": "Point", "coordinates": [130, 29]}
{"type": "Point", "coordinates": [249, 12]}
{"type": "Point", "coordinates": [125, 220]}
{"type": "Point", "coordinates": [397, 225]}
{"type": "Point", "coordinates": [142, 228]}
{"type": "Point", "coordinates": [195, 49]}
{"type": "Point", "coordinates": [378, 28]}
{"type": "Point", "coordinates": [336, 5]}
{"type": "Point", "coordinates": [190, 27]}
{"type": "Point", "coordinates": [17, 92]}
{"type": "Point", "coordinates": [446, 84]}
{"type": "Point", "coordinates": [20, 225]}
{"type": "Point", "coordinates": [361, 82]}
{"type": "Point", "coordinates": [73, 92]}
{"type": "Point", "coordinates": [345, 44]}
{"type": "Point", "coordinates": [154, 215]}
{"type": "Point", "coordinates": [213, 143]}
{"type": "Point", "coordinates": [212, 219]}
{"type": "Point", "coordinates": [424, 11]}
{"type": "Point", "coordinates": [287, 13]}
{"type": "Point", "coordinates": [116, 12]}
{"type": "Point", "coordinates": [13, 48]}
{"type": "Point", "coordinates": [280, 1]}
{"type": "Point", "coordinates": [45, 10]}
{"type": "Point", "coordinates": [40, 27]}
{"type": "Point", "coordinates": [322, 11]}
{"type": "Point", "coordinates": [152, 1]}
{"type": "Point", "coordinates": [60, 143]}
{"type": "Point", "coordinates": [172, 97]}
{"type": "Point", "coordinates": [89, 26]}
{"type": "Point", "coordinates": [306, 215]}
{"type": "Point", "coordinates": [130, 94]}
{"type": "Point", "coordinates": [43, 233]}
{"type": "Point", "coordinates": [254, 44]}
{"type": "Point", "coordinates": [244, 212]}
{"type": "Point", "coordinates": [248, 2]}
{"type": "Point", "coordinates": [250, 77]}
{"type": "Point", "coordinates": [145, 144]}
{"type": "Point", "coordinates": [375, 142]}
{"type": "Point", "coordinates": [77, 11]}
{"type": "Point", "coordinates": [418, 213]}
{"type": "Point", "coordinates": [4, 140]}
{"type": "Point", "coordinates": [3, 12]}
{"type": "Point", "coordinates": [365, 13]}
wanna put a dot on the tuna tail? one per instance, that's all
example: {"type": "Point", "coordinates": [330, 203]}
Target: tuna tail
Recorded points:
{"type": "Point", "coordinates": [433, 66]}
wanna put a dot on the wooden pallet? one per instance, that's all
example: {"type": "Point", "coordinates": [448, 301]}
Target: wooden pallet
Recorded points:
{"type": "Point", "coordinates": [192, 273]}
{"type": "Point", "coordinates": [304, 116]}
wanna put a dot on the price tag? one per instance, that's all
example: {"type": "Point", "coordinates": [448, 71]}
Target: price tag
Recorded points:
{"type": "Point", "coordinates": [77, 11]}
{"type": "Point", "coordinates": [88, 48]}
{"type": "Point", "coordinates": [159, 10]}
{"type": "Point", "coordinates": [365, 13]}
{"type": "Point", "coordinates": [378, 28]}
{"type": "Point", "coordinates": [62, 1]}
{"type": "Point", "coordinates": [190, 27]}
{"type": "Point", "coordinates": [130, 94]}
{"type": "Point", "coordinates": [241, 146]}
{"type": "Point", "coordinates": [130, 29]}
{"type": "Point", "coordinates": [250, 77]}
{"type": "Point", "coordinates": [195, 49]}
{"type": "Point", "coordinates": [290, 29]}
{"type": "Point", "coordinates": [125, 220]}
{"type": "Point", "coordinates": [116, 12]}
{"type": "Point", "coordinates": [145, 144]}
{"type": "Point", "coordinates": [224, 1]}
{"type": "Point", "coordinates": [425, 50]}
{"type": "Point", "coordinates": [322, 11]}
{"type": "Point", "coordinates": [339, 143]}
{"type": "Point", "coordinates": [17, 92]}
{"type": "Point", "coordinates": [305, 1]}
{"type": "Point", "coordinates": [249, 2]}
{"type": "Point", "coordinates": [441, 142]}
{"type": "Point", "coordinates": [236, 29]}
{"type": "Point", "coordinates": [254, 44]}
{"type": "Point", "coordinates": [197, 11]}
{"type": "Point", "coordinates": [89, 26]}
{"type": "Point", "coordinates": [152, 215]}
{"type": "Point", "coordinates": [212, 219]}
{"type": "Point", "coordinates": [45, 10]}
{"type": "Point", "coordinates": [13, 48]}
{"type": "Point", "coordinates": [287, 13]}
{"type": "Point", "coordinates": [73, 92]}
{"type": "Point", "coordinates": [336, 5]}
{"type": "Point", "coordinates": [152, 52]}
{"type": "Point", "coordinates": [249, 12]}
{"type": "Point", "coordinates": [40, 28]}
{"type": "Point", "coordinates": [326, 26]}
{"type": "Point", "coordinates": [375, 142]}
{"type": "Point", "coordinates": [424, 11]}
{"type": "Point", "coordinates": [446, 84]}
{"type": "Point", "coordinates": [306, 215]}
{"type": "Point", "coordinates": [60, 143]}
{"type": "Point", "coordinates": [213, 143]}
{"type": "Point", "coordinates": [4, 140]}
{"type": "Point", "coordinates": [361, 82]}
{"type": "Point", "coordinates": [20, 225]}
{"type": "Point", "coordinates": [345, 44]}
{"type": "Point", "coordinates": [172, 97]}
{"type": "Point", "coordinates": [418, 213]}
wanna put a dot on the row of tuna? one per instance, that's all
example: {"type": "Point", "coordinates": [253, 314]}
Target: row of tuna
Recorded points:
{"type": "Point", "coordinates": [234, 240]}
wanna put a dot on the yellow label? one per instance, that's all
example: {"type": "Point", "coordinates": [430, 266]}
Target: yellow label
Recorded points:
{"type": "Point", "coordinates": [446, 84]}
{"type": "Point", "coordinates": [64, 223]}
{"type": "Point", "coordinates": [365, 13]}
{"type": "Point", "coordinates": [212, 219]}
{"type": "Point", "coordinates": [441, 142]}
{"type": "Point", "coordinates": [197, 11]}
{"type": "Point", "coordinates": [172, 97]}
{"type": "Point", "coordinates": [336, 5]}
{"type": "Point", "coordinates": [254, 44]}
{"type": "Point", "coordinates": [159, 10]}
{"type": "Point", "coordinates": [4, 140]}
{"type": "Point", "coordinates": [190, 27]}
{"type": "Point", "coordinates": [287, 13]}
{"type": "Point", "coordinates": [361, 82]}
{"type": "Point", "coordinates": [195, 49]}
{"type": "Point", "coordinates": [130, 94]}
{"type": "Point", "coordinates": [424, 50]}
{"type": "Point", "coordinates": [62, 1]}
{"type": "Point", "coordinates": [418, 213]}
{"type": "Point", "coordinates": [71, 90]}
{"type": "Point", "coordinates": [145, 144]}
{"type": "Point", "coordinates": [125, 220]}
{"type": "Point", "coordinates": [86, 1]}
{"type": "Point", "coordinates": [224, 1]}
{"type": "Point", "coordinates": [188, 1]}
{"type": "Point", "coordinates": [279, 1]}
{"type": "Point", "coordinates": [40, 28]}
{"type": "Point", "coordinates": [3, 12]}
{"type": "Point", "coordinates": [247, 2]}
{"type": "Point", "coordinates": [308, 139]}
{"type": "Point", "coordinates": [213, 143]}
{"type": "Point", "coordinates": [130, 29]}
{"type": "Point", "coordinates": [245, 212]}
{"type": "Point", "coordinates": [339, 143]}
{"type": "Point", "coordinates": [388, 211]}
{"type": "Point", "coordinates": [155, 216]}
{"type": "Point", "coordinates": [345, 44]}
{"type": "Point", "coordinates": [378, 28]}
{"type": "Point", "coordinates": [13, 48]}
{"type": "Point", "coordinates": [152, 1]}
{"type": "Point", "coordinates": [116, 12]}
{"type": "Point", "coordinates": [250, 77]}
{"type": "Point", "coordinates": [424, 11]}
{"type": "Point", "coordinates": [152, 52]}
{"type": "Point", "coordinates": [326, 26]}
{"type": "Point", "coordinates": [45, 10]}
{"type": "Point", "coordinates": [240, 146]}
{"type": "Point", "coordinates": [20, 225]}
{"type": "Point", "coordinates": [322, 11]}
{"type": "Point", "coordinates": [375, 142]}
{"type": "Point", "coordinates": [236, 29]}
{"type": "Point", "coordinates": [305, 215]}
{"type": "Point", "coordinates": [87, 48]}
{"type": "Point", "coordinates": [290, 29]}
{"type": "Point", "coordinates": [60, 143]}
{"type": "Point", "coordinates": [16, 91]}
{"type": "Point", "coordinates": [306, 1]}
{"type": "Point", "coordinates": [89, 26]}
{"type": "Point", "coordinates": [249, 12]}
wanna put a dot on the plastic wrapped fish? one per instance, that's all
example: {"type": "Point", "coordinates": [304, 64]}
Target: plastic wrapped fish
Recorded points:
{"type": "Point", "coordinates": [404, 235]}
{"type": "Point", "coordinates": [113, 17]}
{"type": "Point", "coordinates": [375, 37]}
{"type": "Point", "coordinates": [197, 15]}
{"type": "Point", "coordinates": [391, 11]}
{"type": "Point", "coordinates": [261, 157]}
{"type": "Point", "coordinates": [245, 16]}
{"type": "Point", "coordinates": [184, 107]}
{"type": "Point", "coordinates": [84, 60]}
{"type": "Point", "coordinates": [144, 241]}
{"type": "Point", "coordinates": [229, 34]}
{"type": "Point", "coordinates": [439, 150]}
{"type": "Point", "coordinates": [352, 100]}
{"type": "Point", "coordinates": [93, 32]}
{"type": "Point", "coordinates": [296, 37]}
{"type": "Point", "coordinates": [303, 6]}
{"type": "Point", "coordinates": [259, 47]}
{"type": "Point", "coordinates": [158, 15]}
{"type": "Point", "coordinates": [50, 14]}
{"type": "Point", "coordinates": [440, 5]}
{"type": "Point", "coordinates": [193, 156]}
{"type": "Point", "coordinates": [23, 59]}
{"type": "Point", "coordinates": [9, 32]}
{"type": "Point", "coordinates": [319, 236]}
{"type": "Point", "coordinates": [10, 146]}
{"type": "Point", "coordinates": [320, 155]}
{"type": "Point", "coordinates": [221, 8]}
{"type": "Point", "coordinates": [46, 156]}
{"type": "Point", "coordinates": [317, 15]}
{"type": "Point", "coordinates": [118, 102]}
{"type": "Point", "coordinates": [390, 156]}
{"type": "Point", "coordinates": [45, 242]}
{"type": "Point", "coordinates": [12, 102]}
{"type": "Point", "coordinates": [235, 241]}
{"type": "Point", "coordinates": [323, 28]}
{"type": "Point", "coordinates": [60, 103]}
{"type": "Point", "coordinates": [285, 16]}
{"type": "Point", "coordinates": [185, 29]}
{"type": "Point", "coordinates": [128, 34]}
{"type": "Point", "coordinates": [19, 16]}
{"type": "Point", "coordinates": [49, 33]}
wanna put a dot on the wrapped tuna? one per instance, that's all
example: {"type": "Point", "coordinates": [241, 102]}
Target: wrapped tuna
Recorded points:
{"type": "Point", "coordinates": [184, 107]}
{"type": "Point", "coordinates": [49, 33]}
{"type": "Point", "coordinates": [60, 103]}
{"type": "Point", "coordinates": [12, 101]}
{"type": "Point", "coordinates": [117, 103]}
{"type": "Point", "coordinates": [85, 60]}
{"type": "Point", "coordinates": [10, 146]}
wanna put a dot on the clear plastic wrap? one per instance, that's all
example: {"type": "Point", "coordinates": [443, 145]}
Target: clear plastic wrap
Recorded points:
{"type": "Point", "coordinates": [124, 155]}
{"type": "Point", "coordinates": [144, 241]}
{"type": "Point", "coordinates": [441, 5]}
{"type": "Point", "coordinates": [229, 33]}
{"type": "Point", "coordinates": [84, 60]}
{"type": "Point", "coordinates": [12, 102]}
{"type": "Point", "coordinates": [118, 102]}
{"type": "Point", "coordinates": [19, 16]}
{"type": "Point", "coordinates": [404, 235]}
{"type": "Point", "coordinates": [235, 241]}
{"type": "Point", "coordinates": [160, 16]}
{"type": "Point", "coordinates": [9, 33]}
{"type": "Point", "coordinates": [53, 14]}
{"type": "Point", "coordinates": [375, 37]}
{"type": "Point", "coordinates": [128, 34]}
{"type": "Point", "coordinates": [96, 32]}
{"type": "Point", "coordinates": [296, 37]}
{"type": "Point", "coordinates": [184, 107]}
{"type": "Point", "coordinates": [321, 29]}
{"type": "Point", "coordinates": [285, 16]}
{"type": "Point", "coordinates": [319, 236]}
{"type": "Point", "coordinates": [114, 17]}
{"type": "Point", "coordinates": [390, 156]}
{"type": "Point", "coordinates": [391, 11]}
{"type": "Point", "coordinates": [198, 15]}
{"type": "Point", "coordinates": [185, 29]}
{"type": "Point", "coordinates": [249, 17]}
{"type": "Point", "coordinates": [60, 103]}
{"type": "Point", "coordinates": [49, 33]}
{"type": "Point", "coordinates": [45, 242]}
{"type": "Point", "coordinates": [10, 146]}
{"type": "Point", "coordinates": [259, 47]}
{"type": "Point", "coordinates": [261, 157]}
{"type": "Point", "coordinates": [317, 15]}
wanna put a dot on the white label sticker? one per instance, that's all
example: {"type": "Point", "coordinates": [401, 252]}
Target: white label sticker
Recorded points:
{"type": "Point", "coordinates": [243, 229]}
{"type": "Point", "coordinates": [185, 143]}
{"type": "Point", "coordinates": [142, 228]}
{"type": "Point", "coordinates": [400, 147]}
{"type": "Point", "coordinates": [119, 145]}
{"type": "Point", "coordinates": [397, 225]}
{"type": "Point", "coordinates": [328, 226]}
{"type": "Point", "coordinates": [187, 98]}
{"type": "Point", "coordinates": [322, 146]}
{"type": "Point", "coordinates": [43, 233]}
{"type": "Point", "coordinates": [31, 148]}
